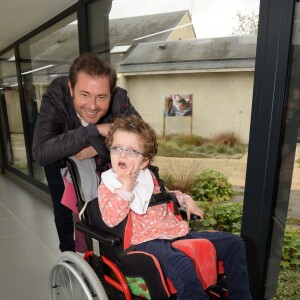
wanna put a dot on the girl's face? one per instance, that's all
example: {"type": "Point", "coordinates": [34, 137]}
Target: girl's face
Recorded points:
{"type": "Point", "coordinates": [126, 152]}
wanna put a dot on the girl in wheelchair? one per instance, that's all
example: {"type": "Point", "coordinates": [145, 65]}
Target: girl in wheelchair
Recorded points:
{"type": "Point", "coordinates": [127, 189]}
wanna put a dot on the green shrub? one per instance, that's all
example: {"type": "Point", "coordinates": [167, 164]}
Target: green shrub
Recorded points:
{"type": "Point", "coordinates": [185, 145]}
{"type": "Point", "coordinates": [222, 216]}
{"type": "Point", "coordinates": [211, 185]}
{"type": "Point", "coordinates": [288, 285]}
{"type": "Point", "coordinates": [293, 221]}
{"type": "Point", "coordinates": [290, 257]}
{"type": "Point", "coordinates": [239, 148]}
{"type": "Point", "coordinates": [182, 139]}
{"type": "Point", "coordinates": [170, 152]}
{"type": "Point", "coordinates": [221, 149]}
{"type": "Point", "coordinates": [209, 148]}
{"type": "Point", "coordinates": [229, 216]}
{"type": "Point", "coordinates": [192, 140]}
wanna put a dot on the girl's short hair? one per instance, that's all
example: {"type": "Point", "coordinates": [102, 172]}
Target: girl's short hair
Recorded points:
{"type": "Point", "coordinates": [136, 125]}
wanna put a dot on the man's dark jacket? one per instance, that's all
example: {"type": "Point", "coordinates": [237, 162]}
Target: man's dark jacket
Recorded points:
{"type": "Point", "coordinates": [58, 132]}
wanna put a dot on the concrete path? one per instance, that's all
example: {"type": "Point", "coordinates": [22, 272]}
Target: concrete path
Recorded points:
{"type": "Point", "coordinates": [233, 169]}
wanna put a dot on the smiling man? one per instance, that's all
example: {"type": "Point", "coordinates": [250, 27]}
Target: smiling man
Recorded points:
{"type": "Point", "coordinates": [91, 97]}
{"type": "Point", "coordinates": [74, 110]}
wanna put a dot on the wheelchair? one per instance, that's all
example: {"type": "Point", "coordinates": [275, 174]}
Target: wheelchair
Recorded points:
{"type": "Point", "coordinates": [112, 269]}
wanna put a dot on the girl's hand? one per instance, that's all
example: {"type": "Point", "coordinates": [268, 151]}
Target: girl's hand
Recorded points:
{"type": "Point", "coordinates": [192, 208]}
{"type": "Point", "coordinates": [128, 179]}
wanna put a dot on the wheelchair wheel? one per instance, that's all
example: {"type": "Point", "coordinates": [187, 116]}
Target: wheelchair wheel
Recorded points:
{"type": "Point", "coordinates": [73, 278]}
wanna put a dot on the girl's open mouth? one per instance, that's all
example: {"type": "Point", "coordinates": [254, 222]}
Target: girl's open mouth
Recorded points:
{"type": "Point", "coordinates": [122, 165]}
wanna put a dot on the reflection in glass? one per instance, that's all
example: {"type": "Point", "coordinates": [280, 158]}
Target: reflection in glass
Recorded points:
{"type": "Point", "coordinates": [44, 57]}
{"type": "Point", "coordinates": [97, 16]}
{"type": "Point", "coordinates": [12, 117]}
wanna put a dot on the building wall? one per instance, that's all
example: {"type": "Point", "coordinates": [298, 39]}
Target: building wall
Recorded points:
{"type": "Point", "coordinates": [221, 101]}
{"type": "Point", "coordinates": [183, 33]}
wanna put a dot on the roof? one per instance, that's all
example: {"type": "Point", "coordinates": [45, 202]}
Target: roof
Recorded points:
{"type": "Point", "coordinates": [125, 30]}
{"type": "Point", "coordinates": [142, 29]}
{"type": "Point", "coordinates": [213, 53]}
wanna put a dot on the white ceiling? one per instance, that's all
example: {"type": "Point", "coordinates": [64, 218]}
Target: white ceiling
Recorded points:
{"type": "Point", "coordinates": [19, 17]}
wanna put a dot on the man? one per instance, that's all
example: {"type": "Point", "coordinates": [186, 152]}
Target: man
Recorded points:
{"type": "Point", "coordinates": [74, 111]}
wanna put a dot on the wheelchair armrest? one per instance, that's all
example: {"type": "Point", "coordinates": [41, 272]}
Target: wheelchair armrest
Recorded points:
{"type": "Point", "coordinates": [184, 214]}
{"type": "Point", "coordinates": [98, 234]}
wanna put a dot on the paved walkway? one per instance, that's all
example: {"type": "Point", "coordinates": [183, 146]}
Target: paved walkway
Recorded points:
{"type": "Point", "coordinates": [233, 169]}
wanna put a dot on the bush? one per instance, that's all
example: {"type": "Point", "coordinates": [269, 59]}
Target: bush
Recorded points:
{"type": "Point", "coordinates": [192, 140]}
{"type": "Point", "coordinates": [288, 285]}
{"type": "Point", "coordinates": [227, 138]}
{"type": "Point", "coordinates": [180, 139]}
{"type": "Point", "coordinates": [211, 185]}
{"type": "Point", "coordinates": [290, 257]}
{"type": "Point", "coordinates": [180, 175]}
{"type": "Point", "coordinates": [185, 145]}
{"type": "Point", "coordinates": [225, 216]}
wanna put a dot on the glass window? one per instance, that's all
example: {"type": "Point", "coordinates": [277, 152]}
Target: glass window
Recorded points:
{"type": "Point", "coordinates": [189, 72]}
{"type": "Point", "coordinates": [44, 57]}
{"type": "Point", "coordinates": [11, 112]}
{"type": "Point", "coordinates": [97, 16]}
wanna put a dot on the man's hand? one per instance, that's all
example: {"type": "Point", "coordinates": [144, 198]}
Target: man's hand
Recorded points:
{"type": "Point", "coordinates": [104, 128]}
{"type": "Point", "coordinates": [192, 208]}
{"type": "Point", "coordinates": [87, 152]}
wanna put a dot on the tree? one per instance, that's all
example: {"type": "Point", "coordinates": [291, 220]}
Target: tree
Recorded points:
{"type": "Point", "coordinates": [245, 24]}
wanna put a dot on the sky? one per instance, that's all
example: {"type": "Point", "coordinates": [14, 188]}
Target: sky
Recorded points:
{"type": "Point", "coordinates": [211, 18]}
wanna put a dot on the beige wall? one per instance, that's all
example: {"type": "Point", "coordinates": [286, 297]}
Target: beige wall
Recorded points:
{"type": "Point", "coordinates": [221, 101]}
{"type": "Point", "coordinates": [183, 33]}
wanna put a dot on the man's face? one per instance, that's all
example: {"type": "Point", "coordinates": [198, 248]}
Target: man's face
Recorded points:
{"type": "Point", "coordinates": [91, 97]}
